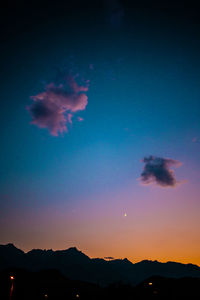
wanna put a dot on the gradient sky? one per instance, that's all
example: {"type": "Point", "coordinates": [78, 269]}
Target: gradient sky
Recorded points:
{"type": "Point", "coordinates": [142, 65]}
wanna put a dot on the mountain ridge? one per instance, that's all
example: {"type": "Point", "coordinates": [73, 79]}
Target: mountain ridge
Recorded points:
{"type": "Point", "coordinates": [74, 264]}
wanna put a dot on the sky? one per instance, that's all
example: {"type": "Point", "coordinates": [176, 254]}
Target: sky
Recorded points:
{"type": "Point", "coordinates": [100, 128]}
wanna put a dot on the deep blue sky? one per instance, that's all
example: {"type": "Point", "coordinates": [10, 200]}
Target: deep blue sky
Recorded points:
{"type": "Point", "coordinates": [143, 100]}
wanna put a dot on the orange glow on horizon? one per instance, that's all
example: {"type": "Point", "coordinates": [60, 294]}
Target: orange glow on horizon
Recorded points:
{"type": "Point", "coordinates": [161, 225]}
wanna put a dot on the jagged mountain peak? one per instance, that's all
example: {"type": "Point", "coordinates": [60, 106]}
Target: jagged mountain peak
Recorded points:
{"type": "Point", "coordinates": [40, 251]}
{"type": "Point", "coordinates": [11, 248]}
{"type": "Point", "coordinates": [72, 250]}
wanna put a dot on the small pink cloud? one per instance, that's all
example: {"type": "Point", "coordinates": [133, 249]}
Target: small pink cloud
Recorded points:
{"type": "Point", "coordinates": [196, 140]}
{"type": "Point", "coordinates": [54, 108]}
{"type": "Point", "coordinates": [70, 118]}
{"type": "Point", "coordinates": [80, 119]}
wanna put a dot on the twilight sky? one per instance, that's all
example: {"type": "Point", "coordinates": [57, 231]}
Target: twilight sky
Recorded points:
{"type": "Point", "coordinates": [100, 128]}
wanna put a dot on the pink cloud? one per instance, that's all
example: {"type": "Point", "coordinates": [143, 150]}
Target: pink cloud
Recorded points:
{"type": "Point", "coordinates": [196, 140]}
{"type": "Point", "coordinates": [54, 108]}
{"type": "Point", "coordinates": [80, 119]}
{"type": "Point", "coordinates": [70, 118]}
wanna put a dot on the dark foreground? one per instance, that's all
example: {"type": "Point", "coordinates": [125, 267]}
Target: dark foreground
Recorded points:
{"type": "Point", "coordinates": [51, 284]}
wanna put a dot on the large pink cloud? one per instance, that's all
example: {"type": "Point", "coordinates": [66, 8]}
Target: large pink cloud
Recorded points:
{"type": "Point", "coordinates": [54, 108]}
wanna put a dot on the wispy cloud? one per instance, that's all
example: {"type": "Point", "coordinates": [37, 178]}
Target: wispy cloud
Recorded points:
{"type": "Point", "coordinates": [55, 106]}
{"type": "Point", "coordinates": [157, 171]}
{"type": "Point", "coordinates": [80, 119]}
{"type": "Point", "coordinates": [196, 140]}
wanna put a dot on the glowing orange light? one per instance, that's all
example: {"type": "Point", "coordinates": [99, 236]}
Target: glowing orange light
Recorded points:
{"type": "Point", "coordinates": [12, 277]}
{"type": "Point", "coordinates": [77, 296]}
{"type": "Point", "coordinates": [150, 283]}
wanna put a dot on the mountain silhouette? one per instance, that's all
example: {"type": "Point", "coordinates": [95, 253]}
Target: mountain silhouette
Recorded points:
{"type": "Point", "coordinates": [77, 266]}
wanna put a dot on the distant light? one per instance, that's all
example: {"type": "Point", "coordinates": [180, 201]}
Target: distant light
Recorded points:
{"type": "Point", "coordinates": [46, 296]}
{"type": "Point", "coordinates": [150, 283]}
{"type": "Point", "coordinates": [155, 292]}
{"type": "Point", "coordinates": [77, 296]}
{"type": "Point", "coordinates": [12, 277]}
{"type": "Point", "coordinates": [125, 214]}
